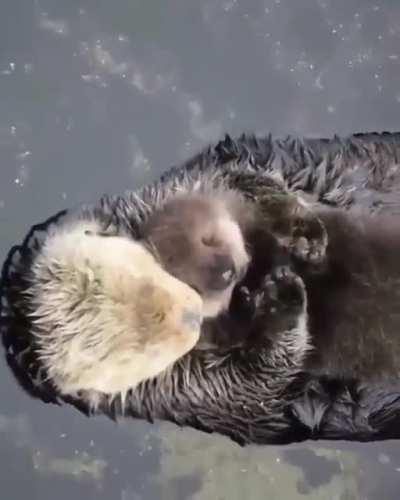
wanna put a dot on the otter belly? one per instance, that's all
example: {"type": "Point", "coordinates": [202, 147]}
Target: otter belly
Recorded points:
{"type": "Point", "coordinates": [354, 305]}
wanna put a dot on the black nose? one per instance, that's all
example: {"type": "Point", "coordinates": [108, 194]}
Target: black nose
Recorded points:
{"type": "Point", "coordinates": [221, 273]}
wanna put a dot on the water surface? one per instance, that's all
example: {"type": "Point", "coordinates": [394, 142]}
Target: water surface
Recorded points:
{"type": "Point", "coordinates": [99, 96]}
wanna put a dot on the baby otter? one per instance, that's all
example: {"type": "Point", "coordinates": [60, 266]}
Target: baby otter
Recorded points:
{"type": "Point", "coordinates": [207, 239]}
{"type": "Point", "coordinates": [263, 227]}
{"type": "Point", "coordinates": [198, 238]}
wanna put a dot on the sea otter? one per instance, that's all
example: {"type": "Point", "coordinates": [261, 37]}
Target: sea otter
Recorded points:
{"type": "Point", "coordinates": [235, 394]}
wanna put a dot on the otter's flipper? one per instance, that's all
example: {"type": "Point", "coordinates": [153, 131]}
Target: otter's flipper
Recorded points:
{"type": "Point", "coordinates": [348, 410]}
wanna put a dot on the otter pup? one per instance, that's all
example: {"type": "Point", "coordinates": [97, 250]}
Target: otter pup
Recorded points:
{"type": "Point", "coordinates": [262, 227]}
{"type": "Point", "coordinates": [204, 238]}
{"type": "Point", "coordinates": [105, 315]}
{"type": "Point", "coordinates": [198, 238]}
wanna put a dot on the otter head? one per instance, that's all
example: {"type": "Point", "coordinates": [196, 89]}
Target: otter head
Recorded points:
{"type": "Point", "coordinates": [105, 314]}
{"type": "Point", "coordinates": [198, 239]}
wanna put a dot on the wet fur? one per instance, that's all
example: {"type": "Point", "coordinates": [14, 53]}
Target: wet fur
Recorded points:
{"type": "Point", "coordinates": [243, 395]}
{"type": "Point", "coordinates": [280, 340]}
{"type": "Point", "coordinates": [353, 293]}
{"type": "Point", "coordinates": [354, 304]}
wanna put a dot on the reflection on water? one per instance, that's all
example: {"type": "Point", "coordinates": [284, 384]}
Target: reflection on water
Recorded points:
{"type": "Point", "coordinates": [102, 96]}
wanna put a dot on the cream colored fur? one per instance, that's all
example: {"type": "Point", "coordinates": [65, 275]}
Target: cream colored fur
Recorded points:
{"type": "Point", "coordinates": [106, 315]}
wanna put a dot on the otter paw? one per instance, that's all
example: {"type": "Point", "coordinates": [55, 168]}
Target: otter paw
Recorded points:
{"type": "Point", "coordinates": [310, 240]}
{"type": "Point", "coordinates": [283, 289]}
{"type": "Point", "coordinates": [243, 303]}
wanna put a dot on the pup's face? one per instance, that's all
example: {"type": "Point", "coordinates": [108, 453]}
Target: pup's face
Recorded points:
{"type": "Point", "coordinates": [199, 242]}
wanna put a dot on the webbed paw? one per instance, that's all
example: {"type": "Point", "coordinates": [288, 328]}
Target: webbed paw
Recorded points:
{"type": "Point", "coordinates": [282, 290]}
{"type": "Point", "coordinates": [309, 240]}
{"type": "Point", "coordinates": [243, 304]}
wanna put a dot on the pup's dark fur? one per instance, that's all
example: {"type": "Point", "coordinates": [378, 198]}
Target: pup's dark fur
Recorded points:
{"type": "Point", "coordinates": [354, 299]}
{"type": "Point", "coordinates": [354, 304]}
{"type": "Point", "coordinates": [198, 239]}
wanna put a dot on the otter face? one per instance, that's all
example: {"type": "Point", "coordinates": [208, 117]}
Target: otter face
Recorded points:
{"type": "Point", "coordinates": [199, 241]}
{"type": "Point", "coordinates": [106, 315]}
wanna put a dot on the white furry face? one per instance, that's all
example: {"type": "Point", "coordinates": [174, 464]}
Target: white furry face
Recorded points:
{"type": "Point", "coordinates": [106, 316]}
{"type": "Point", "coordinates": [199, 241]}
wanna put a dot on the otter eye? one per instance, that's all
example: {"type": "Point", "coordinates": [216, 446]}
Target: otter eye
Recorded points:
{"type": "Point", "coordinates": [210, 241]}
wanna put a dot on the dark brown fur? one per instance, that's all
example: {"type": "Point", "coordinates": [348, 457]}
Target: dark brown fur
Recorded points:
{"type": "Point", "coordinates": [198, 239]}
{"type": "Point", "coordinates": [353, 298]}
{"type": "Point", "coordinates": [353, 295]}
{"type": "Point", "coordinates": [354, 304]}
{"type": "Point", "coordinates": [191, 243]}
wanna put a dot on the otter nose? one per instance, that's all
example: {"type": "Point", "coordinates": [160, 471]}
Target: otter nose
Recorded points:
{"type": "Point", "coordinates": [191, 319]}
{"type": "Point", "coordinates": [222, 272]}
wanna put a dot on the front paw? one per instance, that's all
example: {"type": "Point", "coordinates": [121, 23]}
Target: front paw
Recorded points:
{"type": "Point", "coordinates": [243, 304]}
{"type": "Point", "coordinates": [309, 240]}
{"type": "Point", "coordinates": [282, 290]}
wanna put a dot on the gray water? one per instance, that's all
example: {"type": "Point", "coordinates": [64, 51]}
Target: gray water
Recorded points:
{"type": "Point", "coordinates": [101, 96]}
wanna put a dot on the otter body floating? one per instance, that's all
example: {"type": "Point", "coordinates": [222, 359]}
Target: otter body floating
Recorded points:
{"type": "Point", "coordinates": [238, 397]}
